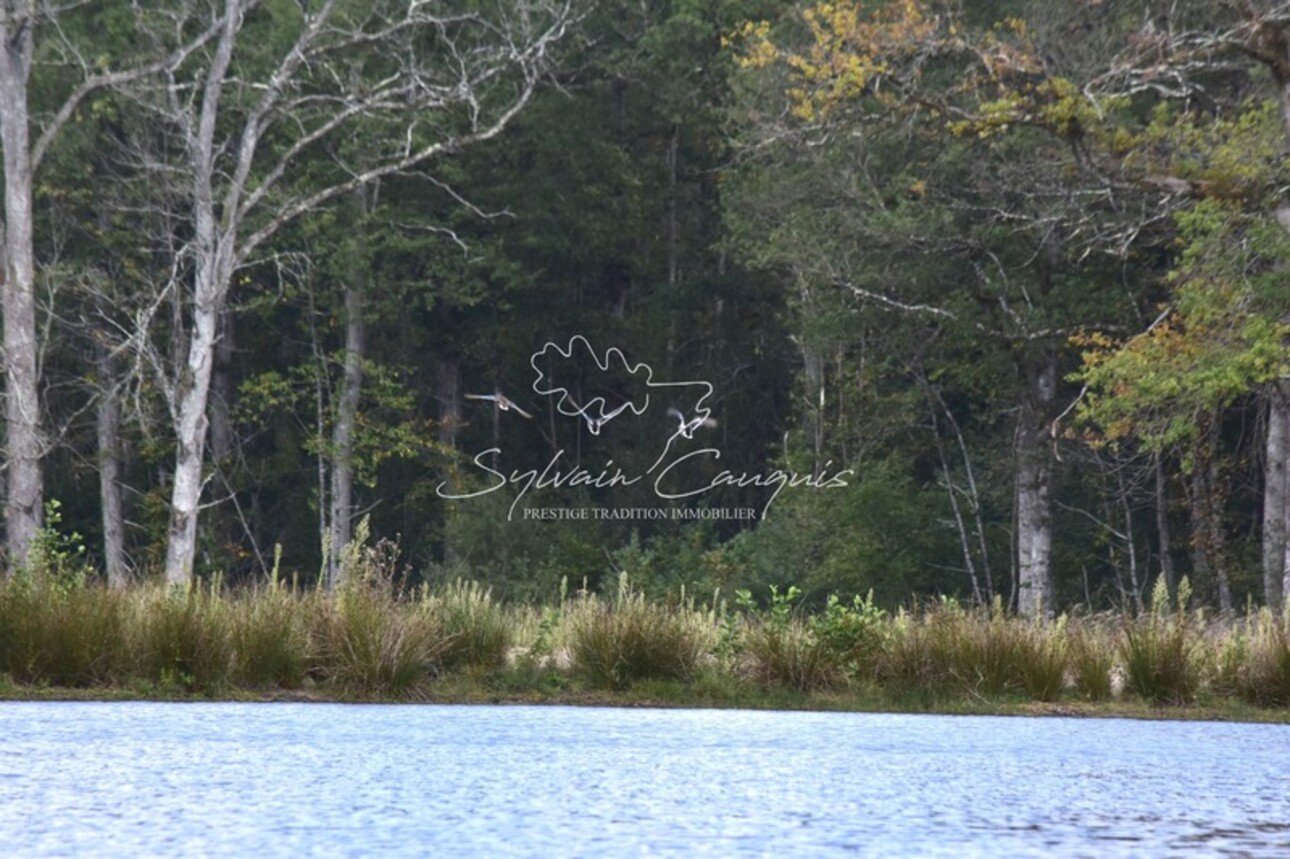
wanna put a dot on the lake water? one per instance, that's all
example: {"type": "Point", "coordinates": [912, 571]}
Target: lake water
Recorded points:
{"type": "Point", "coordinates": [165, 779]}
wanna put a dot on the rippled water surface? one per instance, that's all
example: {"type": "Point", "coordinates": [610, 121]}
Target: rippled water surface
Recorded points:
{"type": "Point", "coordinates": [143, 779]}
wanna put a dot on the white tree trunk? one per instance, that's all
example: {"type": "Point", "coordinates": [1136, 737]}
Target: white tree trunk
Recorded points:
{"type": "Point", "coordinates": [1274, 496]}
{"type": "Point", "coordinates": [236, 176]}
{"type": "Point", "coordinates": [342, 440]}
{"type": "Point", "coordinates": [1034, 479]}
{"type": "Point", "coordinates": [190, 427]}
{"type": "Point", "coordinates": [108, 427]}
{"type": "Point", "coordinates": [23, 445]}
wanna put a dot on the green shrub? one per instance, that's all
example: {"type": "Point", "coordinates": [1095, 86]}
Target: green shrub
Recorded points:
{"type": "Point", "coordinates": [855, 636]}
{"type": "Point", "coordinates": [783, 650]}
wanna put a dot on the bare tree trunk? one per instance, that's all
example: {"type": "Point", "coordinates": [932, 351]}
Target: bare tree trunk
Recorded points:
{"type": "Point", "coordinates": [1034, 481]}
{"type": "Point", "coordinates": [673, 229]}
{"type": "Point", "coordinates": [448, 392]}
{"type": "Point", "coordinates": [23, 445]}
{"type": "Point", "coordinates": [213, 251]}
{"type": "Point", "coordinates": [190, 426]}
{"type": "Point", "coordinates": [108, 426]}
{"type": "Point", "coordinates": [1274, 496]}
{"type": "Point", "coordinates": [1163, 532]}
{"type": "Point", "coordinates": [222, 391]}
{"type": "Point", "coordinates": [342, 438]}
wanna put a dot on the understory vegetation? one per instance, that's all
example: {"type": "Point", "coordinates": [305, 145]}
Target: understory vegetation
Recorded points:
{"type": "Point", "coordinates": [376, 640]}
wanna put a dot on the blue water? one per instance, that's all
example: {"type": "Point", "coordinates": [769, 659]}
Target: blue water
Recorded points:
{"type": "Point", "coordinates": [154, 779]}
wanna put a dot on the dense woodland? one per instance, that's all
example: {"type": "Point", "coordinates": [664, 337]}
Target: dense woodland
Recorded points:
{"type": "Point", "coordinates": [1019, 269]}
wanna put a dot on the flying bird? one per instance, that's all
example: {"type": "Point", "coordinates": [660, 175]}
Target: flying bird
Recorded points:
{"type": "Point", "coordinates": [595, 423]}
{"type": "Point", "coordinates": [503, 403]}
{"type": "Point", "coordinates": [687, 427]}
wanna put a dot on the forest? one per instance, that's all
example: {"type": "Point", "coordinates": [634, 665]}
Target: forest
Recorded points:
{"type": "Point", "coordinates": [915, 298]}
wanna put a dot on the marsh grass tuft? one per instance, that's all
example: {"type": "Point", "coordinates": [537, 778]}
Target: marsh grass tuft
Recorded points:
{"type": "Point", "coordinates": [477, 631]}
{"type": "Point", "coordinates": [366, 643]}
{"type": "Point", "coordinates": [270, 632]}
{"type": "Point", "coordinates": [1159, 650]}
{"type": "Point", "coordinates": [182, 638]}
{"type": "Point", "coordinates": [1265, 678]}
{"type": "Point", "coordinates": [948, 650]}
{"type": "Point", "coordinates": [64, 634]}
{"type": "Point", "coordinates": [1092, 658]}
{"type": "Point", "coordinates": [617, 644]}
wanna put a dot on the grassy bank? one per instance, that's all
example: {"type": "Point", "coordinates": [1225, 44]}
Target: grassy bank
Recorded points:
{"type": "Point", "coordinates": [64, 638]}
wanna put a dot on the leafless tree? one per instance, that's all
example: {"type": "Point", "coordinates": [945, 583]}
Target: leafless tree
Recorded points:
{"type": "Point", "coordinates": [344, 92]}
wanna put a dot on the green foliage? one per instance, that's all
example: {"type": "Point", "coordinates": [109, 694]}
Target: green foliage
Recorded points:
{"type": "Point", "coordinates": [857, 635]}
{"type": "Point", "coordinates": [784, 650]}
{"type": "Point", "coordinates": [58, 558]}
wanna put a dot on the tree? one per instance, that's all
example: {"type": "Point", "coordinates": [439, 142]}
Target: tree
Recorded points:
{"type": "Point", "coordinates": [974, 201]}
{"type": "Point", "coordinates": [25, 26]}
{"type": "Point", "coordinates": [280, 85]}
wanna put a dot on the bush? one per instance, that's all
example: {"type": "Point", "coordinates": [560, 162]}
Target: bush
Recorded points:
{"type": "Point", "coordinates": [855, 636]}
{"type": "Point", "coordinates": [781, 649]}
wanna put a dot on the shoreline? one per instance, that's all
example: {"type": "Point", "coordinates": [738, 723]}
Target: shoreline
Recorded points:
{"type": "Point", "coordinates": [674, 697]}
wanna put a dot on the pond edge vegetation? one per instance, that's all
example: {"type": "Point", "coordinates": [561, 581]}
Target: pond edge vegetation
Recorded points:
{"type": "Point", "coordinates": [63, 634]}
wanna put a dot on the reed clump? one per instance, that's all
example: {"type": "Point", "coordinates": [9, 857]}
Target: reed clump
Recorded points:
{"type": "Point", "coordinates": [950, 650]}
{"type": "Point", "coordinates": [1091, 655]}
{"type": "Point", "coordinates": [1160, 649]}
{"type": "Point", "coordinates": [477, 630]}
{"type": "Point", "coordinates": [63, 633]}
{"type": "Point", "coordinates": [1263, 674]}
{"type": "Point", "coordinates": [182, 637]}
{"type": "Point", "coordinates": [615, 644]}
{"type": "Point", "coordinates": [271, 636]}
{"type": "Point", "coordinates": [372, 638]}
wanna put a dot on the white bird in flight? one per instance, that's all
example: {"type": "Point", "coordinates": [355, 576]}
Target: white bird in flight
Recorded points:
{"type": "Point", "coordinates": [687, 428]}
{"type": "Point", "coordinates": [594, 424]}
{"type": "Point", "coordinates": [503, 403]}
